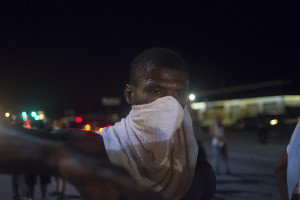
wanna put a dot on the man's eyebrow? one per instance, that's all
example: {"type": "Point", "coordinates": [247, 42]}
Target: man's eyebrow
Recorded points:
{"type": "Point", "coordinates": [154, 85]}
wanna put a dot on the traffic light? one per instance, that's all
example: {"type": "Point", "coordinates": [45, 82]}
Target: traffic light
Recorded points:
{"type": "Point", "coordinates": [33, 114]}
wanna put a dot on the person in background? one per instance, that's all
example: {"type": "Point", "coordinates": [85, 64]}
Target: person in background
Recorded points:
{"type": "Point", "coordinates": [33, 178]}
{"type": "Point", "coordinates": [287, 169]}
{"type": "Point", "coordinates": [197, 132]}
{"type": "Point", "coordinates": [59, 184]}
{"type": "Point", "coordinates": [217, 132]}
{"type": "Point", "coordinates": [262, 129]}
{"type": "Point", "coordinates": [20, 189]}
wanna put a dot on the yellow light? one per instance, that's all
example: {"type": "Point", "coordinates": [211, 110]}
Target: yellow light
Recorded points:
{"type": "Point", "coordinates": [273, 122]}
{"type": "Point", "coordinates": [87, 127]}
{"type": "Point", "coordinates": [192, 97]}
{"type": "Point", "coordinates": [7, 114]}
{"type": "Point", "coordinates": [100, 129]}
{"type": "Point", "coordinates": [41, 116]}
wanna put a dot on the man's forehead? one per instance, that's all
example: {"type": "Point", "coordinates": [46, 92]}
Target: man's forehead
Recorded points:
{"type": "Point", "coordinates": [150, 83]}
{"type": "Point", "coordinates": [161, 73]}
{"type": "Point", "coordinates": [165, 78]}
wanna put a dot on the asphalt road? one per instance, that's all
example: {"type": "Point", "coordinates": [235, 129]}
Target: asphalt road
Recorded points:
{"type": "Point", "coordinates": [7, 194]}
{"type": "Point", "coordinates": [251, 165]}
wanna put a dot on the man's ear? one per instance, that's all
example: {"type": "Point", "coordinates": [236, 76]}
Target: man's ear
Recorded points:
{"type": "Point", "coordinates": [128, 93]}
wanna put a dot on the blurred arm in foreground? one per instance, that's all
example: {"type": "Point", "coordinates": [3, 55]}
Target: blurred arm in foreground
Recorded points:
{"type": "Point", "coordinates": [93, 178]}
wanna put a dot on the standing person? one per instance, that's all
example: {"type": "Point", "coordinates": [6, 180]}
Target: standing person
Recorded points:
{"type": "Point", "coordinates": [15, 186]}
{"type": "Point", "coordinates": [20, 188]}
{"type": "Point", "coordinates": [58, 183]}
{"type": "Point", "coordinates": [217, 132]}
{"type": "Point", "coordinates": [15, 178]}
{"type": "Point", "coordinates": [262, 129]}
{"type": "Point", "coordinates": [33, 178]}
{"type": "Point", "coordinates": [287, 169]}
{"type": "Point", "coordinates": [155, 143]}
{"type": "Point", "coordinates": [198, 133]}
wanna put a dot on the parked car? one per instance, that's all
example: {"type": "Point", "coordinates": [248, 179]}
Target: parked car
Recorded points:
{"type": "Point", "coordinates": [268, 121]}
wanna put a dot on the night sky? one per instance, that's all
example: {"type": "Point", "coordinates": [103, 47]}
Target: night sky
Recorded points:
{"type": "Point", "coordinates": [65, 53]}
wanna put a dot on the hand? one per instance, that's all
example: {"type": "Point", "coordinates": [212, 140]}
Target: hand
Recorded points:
{"type": "Point", "coordinates": [97, 180]}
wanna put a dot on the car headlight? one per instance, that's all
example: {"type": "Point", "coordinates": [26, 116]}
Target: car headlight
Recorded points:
{"type": "Point", "coordinates": [273, 122]}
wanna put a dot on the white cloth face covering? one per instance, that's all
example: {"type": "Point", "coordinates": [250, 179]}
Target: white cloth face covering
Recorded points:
{"type": "Point", "coordinates": [157, 146]}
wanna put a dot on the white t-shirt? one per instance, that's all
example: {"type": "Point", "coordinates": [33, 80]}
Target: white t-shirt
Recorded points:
{"type": "Point", "coordinates": [293, 169]}
{"type": "Point", "coordinates": [288, 149]}
{"type": "Point", "coordinates": [218, 132]}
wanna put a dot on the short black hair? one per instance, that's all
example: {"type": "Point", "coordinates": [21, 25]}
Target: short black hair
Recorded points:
{"type": "Point", "coordinates": [156, 57]}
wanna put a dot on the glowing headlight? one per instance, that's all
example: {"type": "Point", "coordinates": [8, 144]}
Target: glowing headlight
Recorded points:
{"type": "Point", "coordinates": [87, 127]}
{"type": "Point", "coordinates": [273, 122]}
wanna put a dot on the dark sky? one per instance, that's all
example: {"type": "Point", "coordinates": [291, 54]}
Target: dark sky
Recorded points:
{"type": "Point", "coordinates": [62, 53]}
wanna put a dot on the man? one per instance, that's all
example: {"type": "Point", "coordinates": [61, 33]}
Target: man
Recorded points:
{"type": "Point", "coordinates": [154, 143]}
{"type": "Point", "coordinates": [287, 171]}
{"type": "Point", "coordinates": [217, 132]}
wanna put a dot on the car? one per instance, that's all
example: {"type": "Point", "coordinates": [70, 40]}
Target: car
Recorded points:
{"type": "Point", "coordinates": [266, 121]}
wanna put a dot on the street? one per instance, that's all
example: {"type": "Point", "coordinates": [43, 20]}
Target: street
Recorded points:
{"type": "Point", "coordinates": [251, 165]}
{"type": "Point", "coordinates": [6, 190]}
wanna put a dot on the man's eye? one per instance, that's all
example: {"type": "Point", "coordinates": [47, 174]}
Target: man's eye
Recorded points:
{"type": "Point", "coordinates": [181, 93]}
{"type": "Point", "coordinates": [156, 91]}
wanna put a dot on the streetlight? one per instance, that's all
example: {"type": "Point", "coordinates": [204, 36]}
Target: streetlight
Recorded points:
{"type": "Point", "coordinates": [33, 114]}
{"type": "Point", "coordinates": [192, 97]}
{"type": "Point", "coordinates": [24, 116]}
{"type": "Point", "coordinates": [7, 114]}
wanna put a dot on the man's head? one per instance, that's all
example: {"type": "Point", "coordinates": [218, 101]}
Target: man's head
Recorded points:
{"type": "Point", "coordinates": [156, 73]}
